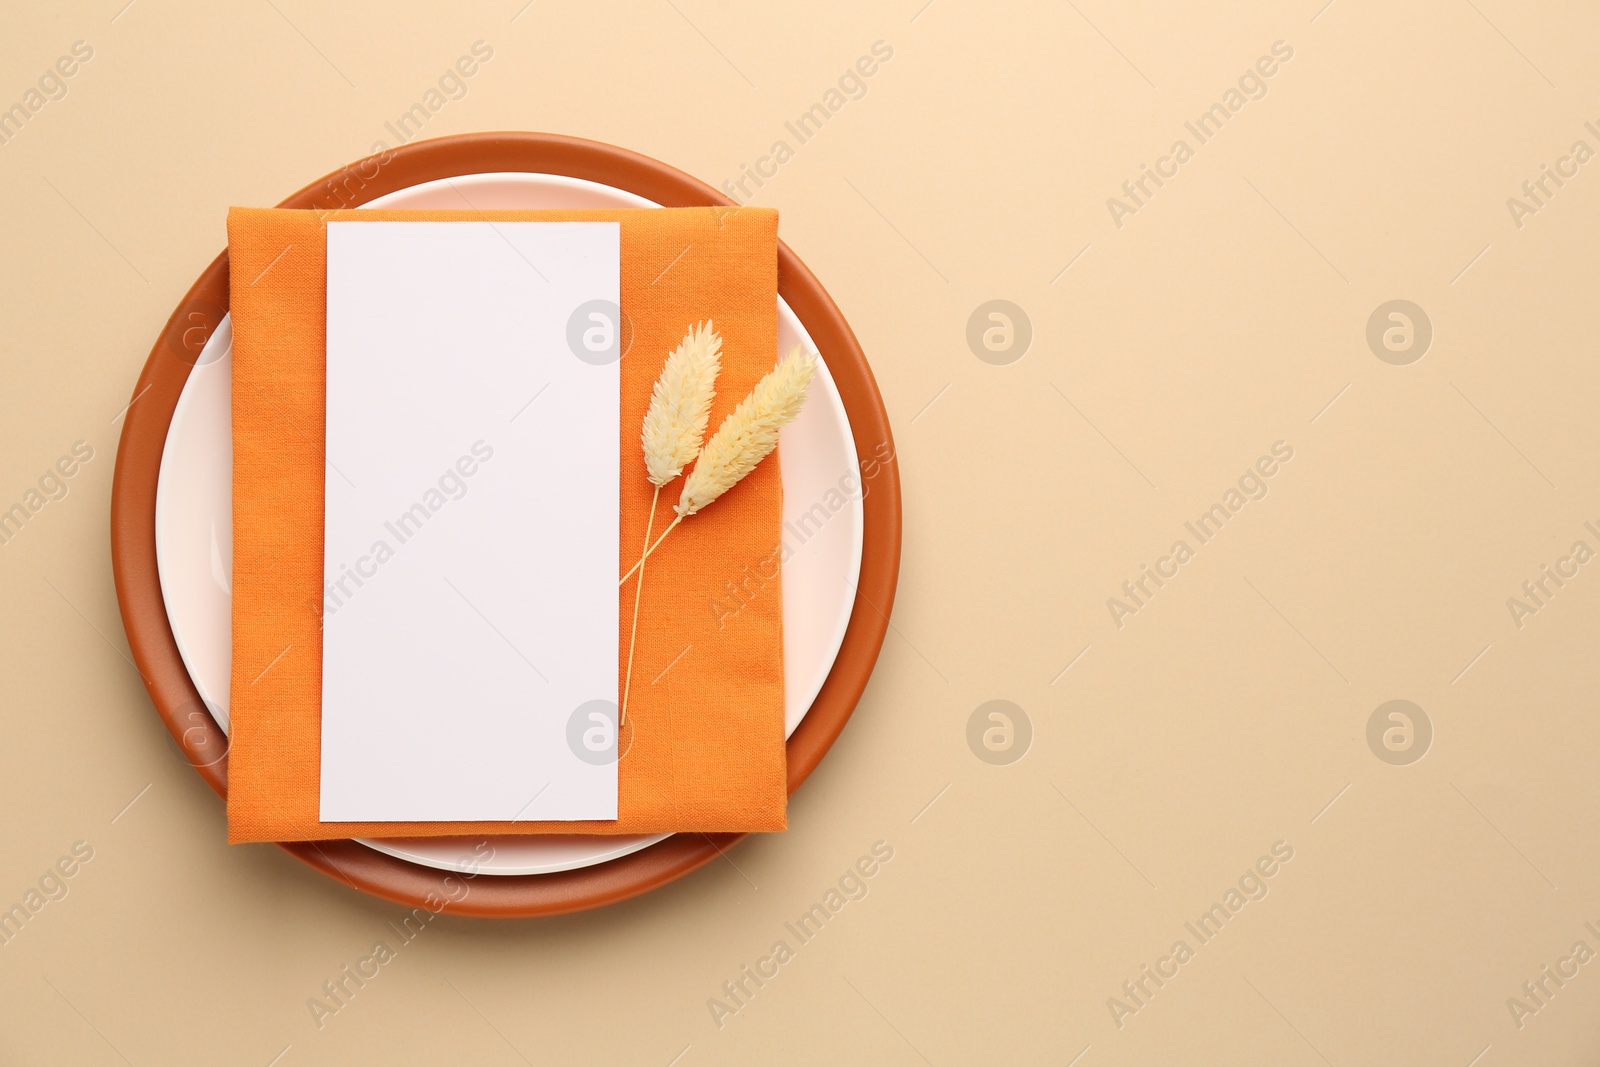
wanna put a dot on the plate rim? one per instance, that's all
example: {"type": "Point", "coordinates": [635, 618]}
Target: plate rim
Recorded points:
{"type": "Point", "coordinates": [133, 528]}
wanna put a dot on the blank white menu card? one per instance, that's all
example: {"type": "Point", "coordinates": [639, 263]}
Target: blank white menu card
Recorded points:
{"type": "Point", "coordinates": [469, 645]}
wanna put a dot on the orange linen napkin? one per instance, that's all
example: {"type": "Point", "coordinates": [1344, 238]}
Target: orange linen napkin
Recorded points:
{"type": "Point", "coordinates": [706, 714]}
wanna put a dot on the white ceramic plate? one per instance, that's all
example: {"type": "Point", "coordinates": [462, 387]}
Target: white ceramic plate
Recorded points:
{"type": "Point", "coordinates": [194, 530]}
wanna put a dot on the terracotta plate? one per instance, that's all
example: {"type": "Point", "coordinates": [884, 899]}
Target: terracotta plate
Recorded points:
{"type": "Point", "coordinates": [133, 526]}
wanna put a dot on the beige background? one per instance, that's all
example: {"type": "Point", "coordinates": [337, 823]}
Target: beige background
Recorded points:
{"type": "Point", "coordinates": [1230, 713]}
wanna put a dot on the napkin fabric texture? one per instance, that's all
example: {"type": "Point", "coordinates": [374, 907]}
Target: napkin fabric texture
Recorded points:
{"type": "Point", "coordinates": [704, 744]}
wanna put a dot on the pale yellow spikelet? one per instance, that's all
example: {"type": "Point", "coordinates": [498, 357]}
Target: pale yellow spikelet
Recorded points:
{"type": "Point", "coordinates": [749, 432]}
{"type": "Point", "coordinates": [680, 404]}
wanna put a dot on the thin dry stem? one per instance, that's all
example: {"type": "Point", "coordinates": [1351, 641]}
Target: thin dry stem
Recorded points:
{"type": "Point", "coordinates": [651, 549]}
{"type": "Point", "coordinates": [638, 591]}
